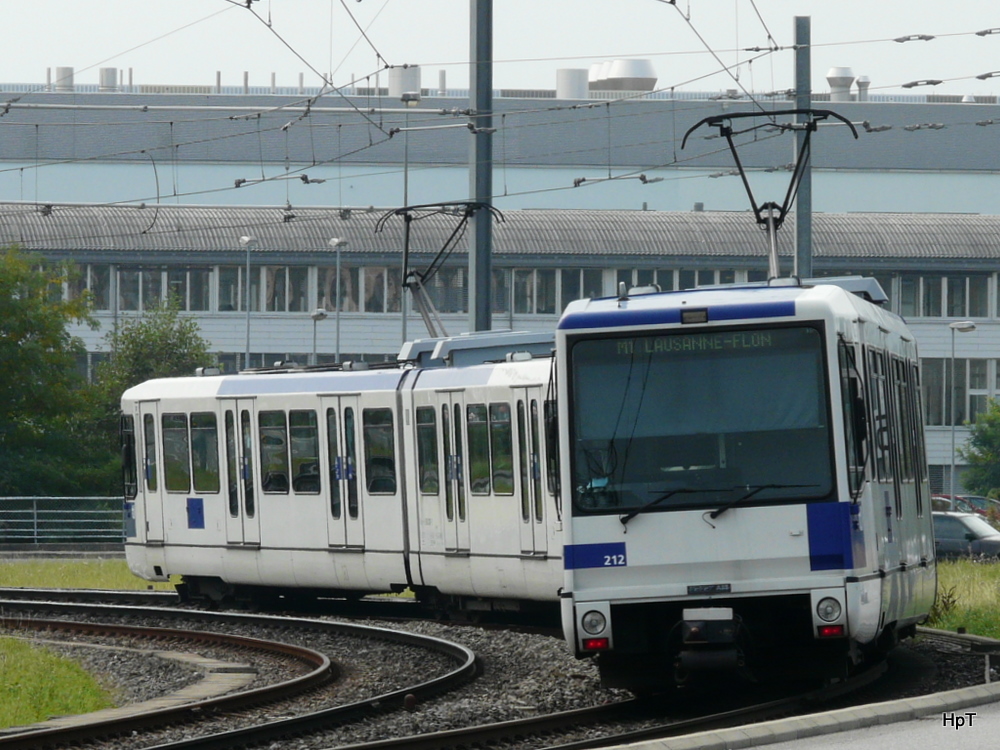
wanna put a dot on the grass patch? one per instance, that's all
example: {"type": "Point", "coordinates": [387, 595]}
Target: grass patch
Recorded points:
{"type": "Point", "coordinates": [968, 597]}
{"type": "Point", "coordinates": [73, 574]}
{"type": "Point", "coordinates": [36, 684]}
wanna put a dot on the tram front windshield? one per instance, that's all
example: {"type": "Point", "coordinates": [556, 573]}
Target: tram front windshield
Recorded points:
{"type": "Point", "coordinates": [699, 420]}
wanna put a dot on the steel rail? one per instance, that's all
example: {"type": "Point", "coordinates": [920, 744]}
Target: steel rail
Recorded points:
{"type": "Point", "coordinates": [466, 668]}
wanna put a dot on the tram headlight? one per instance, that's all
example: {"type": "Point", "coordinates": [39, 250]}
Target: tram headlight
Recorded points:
{"type": "Point", "coordinates": [828, 609]}
{"type": "Point", "coordinates": [594, 622]}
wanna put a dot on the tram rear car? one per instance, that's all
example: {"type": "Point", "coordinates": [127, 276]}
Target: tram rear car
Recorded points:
{"type": "Point", "coordinates": [343, 483]}
{"type": "Point", "coordinates": [747, 483]}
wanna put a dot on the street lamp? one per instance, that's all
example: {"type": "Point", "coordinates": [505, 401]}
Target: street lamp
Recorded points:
{"type": "Point", "coordinates": [247, 242]}
{"type": "Point", "coordinates": [336, 243]}
{"type": "Point", "coordinates": [962, 326]}
{"type": "Point", "coordinates": [409, 99]}
{"type": "Point", "coordinates": [317, 315]}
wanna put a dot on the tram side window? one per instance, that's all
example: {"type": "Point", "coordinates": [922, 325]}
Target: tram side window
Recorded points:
{"type": "Point", "coordinates": [854, 426]}
{"type": "Point", "coordinates": [536, 469]}
{"type": "Point", "coordinates": [380, 452]}
{"type": "Point", "coordinates": [336, 464]}
{"type": "Point", "coordinates": [880, 414]}
{"type": "Point", "coordinates": [149, 444]}
{"type": "Point", "coordinates": [477, 433]}
{"type": "Point", "coordinates": [205, 452]}
{"type": "Point", "coordinates": [176, 468]}
{"type": "Point", "coordinates": [522, 443]}
{"type": "Point", "coordinates": [304, 431]}
{"type": "Point", "coordinates": [129, 478]}
{"type": "Point", "coordinates": [273, 452]}
{"type": "Point", "coordinates": [427, 453]}
{"type": "Point", "coordinates": [232, 471]}
{"type": "Point", "coordinates": [501, 449]}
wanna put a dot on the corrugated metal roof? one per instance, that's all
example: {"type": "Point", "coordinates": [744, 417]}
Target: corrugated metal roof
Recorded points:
{"type": "Point", "coordinates": [539, 236]}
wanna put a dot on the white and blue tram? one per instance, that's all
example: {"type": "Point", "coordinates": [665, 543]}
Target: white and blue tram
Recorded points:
{"type": "Point", "coordinates": [348, 481]}
{"type": "Point", "coordinates": [746, 481]}
{"type": "Point", "coordinates": [702, 479]}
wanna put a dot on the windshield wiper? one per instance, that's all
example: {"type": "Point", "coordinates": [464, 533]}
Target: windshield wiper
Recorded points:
{"type": "Point", "coordinates": [665, 496]}
{"type": "Point", "coordinates": [755, 489]}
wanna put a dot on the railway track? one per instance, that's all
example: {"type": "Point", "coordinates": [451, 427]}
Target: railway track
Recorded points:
{"type": "Point", "coordinates": [24, 613]}
{"type": "Point", "coordinates": [614, 723]}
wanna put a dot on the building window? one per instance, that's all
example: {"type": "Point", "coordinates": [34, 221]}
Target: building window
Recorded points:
{"type": "Point", "coordinates": [286, 288]}
{"type": "Point", "coordinates": [934, 296]}
{"type": "Point", "coordinates": [501, 290]}
{"type": "Point", "coordinates": [349, 286]}
{"type": "Point", "coordinates": [382, 289]}
{"type": "Point", "coordinates": [189, 288]}
{"type": "Point", "coordinates": [580, 283]}
{"type": "Point", "coordinates": [448, 290]}
{"type": "Point", "coordinates": [535, 291]}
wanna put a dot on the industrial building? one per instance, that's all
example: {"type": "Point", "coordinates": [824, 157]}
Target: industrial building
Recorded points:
{"type": "Point", "coordinates": [181, 192]}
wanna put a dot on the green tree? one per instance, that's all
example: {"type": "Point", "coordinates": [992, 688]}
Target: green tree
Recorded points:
{"type": "Point", "coordinates": [159, 344]}
{"type": "Point", "coordinates": [982, 451]}
{"type": "Point", "coordinates": [41, 390]}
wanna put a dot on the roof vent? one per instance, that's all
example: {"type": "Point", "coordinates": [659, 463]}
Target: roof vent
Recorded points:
{"type": "Point", "coordinates": [863, 83]}
{"type": "Point", "coordinates": [840, 80]}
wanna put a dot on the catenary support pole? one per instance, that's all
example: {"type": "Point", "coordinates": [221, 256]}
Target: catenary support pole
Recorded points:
{"type": "Point", "coordinates": [481, 162]}
{"type": "Point", "coordinates": [803, 100]}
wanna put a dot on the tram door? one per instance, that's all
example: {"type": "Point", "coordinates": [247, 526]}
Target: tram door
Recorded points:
{"type": "Point", "coordinates": [532, 491]}
{"type": "Point", "coordinates": [456, 516]}
{"type": "Point", "coordinates": [150, 481]}
{"type": "Point", "coordinates": [242, 517]}
{"type": "Point", "coordinates": [345, 511]}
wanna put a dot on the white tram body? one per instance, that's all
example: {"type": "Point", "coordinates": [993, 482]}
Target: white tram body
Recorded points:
{"type": "Point", "coordinates": [745, 479]}
{"type": "Point", "coordinates": [347, 482]}
{"type": "Point", "coordinates": [742, 470]}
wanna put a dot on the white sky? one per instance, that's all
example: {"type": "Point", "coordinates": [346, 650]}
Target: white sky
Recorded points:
{"type": "Point", "coordinates": [187, 41]}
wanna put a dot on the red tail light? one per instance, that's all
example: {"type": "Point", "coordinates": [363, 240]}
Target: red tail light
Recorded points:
{"type": "Point", "coordinates": [596, 644]}
{"type": "Point", "coordinates": [831, 631]}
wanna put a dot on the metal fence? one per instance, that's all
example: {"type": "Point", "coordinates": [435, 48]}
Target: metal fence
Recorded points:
{"type": "Point", "coordinates": [61, 520]}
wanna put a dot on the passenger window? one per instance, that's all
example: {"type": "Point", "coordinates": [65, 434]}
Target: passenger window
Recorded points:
{"type": "Point", "coordinates": [351, 455]}
{"type": "Point", "coordinates": [176, 453]}
{"type": "Point", "coordinates": [304, 431]}
{"type": "Point", "coordinates": [477, 432]}
{"type": "Point", "coordinates": [536, 469]}
{"type": "Point", "coordinates": [273, 452]}
{"type": "Point", "coordinates": [248, 489]}
{"type": "Point", "coordinates": [129, 478]}
{"type": "Point", "coordinates": [380, 454]}
{"type": "Point", "coordinates": [451, 463]}
{"type": "Point", "coordinates": [336, 469]}
{"type": "Point", "coordinates": [205, 452]}
{"type": "Point", "coordinates": [522, 444]}
{"type": "Point", "coordinates": [232, 467]}
{"type": "Point", "coordinates": [149, 441]}
{"type": "Point", "coordinates": [501, 449]}
{"type": "Point", "coordinates": [427, 450]}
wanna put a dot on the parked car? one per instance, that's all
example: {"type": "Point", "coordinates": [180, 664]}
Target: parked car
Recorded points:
{"type": "Point", "coordinates": [962, 503]}
{"type": "Point", "coordinates": [982, 505]}
{"type": "Point", "coordinates": [964, 535]}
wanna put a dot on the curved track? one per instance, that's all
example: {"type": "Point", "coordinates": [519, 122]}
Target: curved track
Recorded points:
{"type": "Point", "coordinates": [463, 658]}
